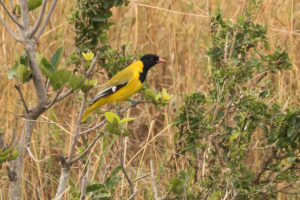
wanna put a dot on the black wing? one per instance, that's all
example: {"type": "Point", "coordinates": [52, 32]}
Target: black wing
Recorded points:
{"type": "Point", "coordinates": [107, 91]}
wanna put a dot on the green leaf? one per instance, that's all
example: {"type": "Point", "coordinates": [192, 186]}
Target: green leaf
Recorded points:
{"type": "Point", "coordinates": [75, 81]}
{"type": "Point", "coordinates": [176, 185]}
{"type": "Point", "coordinates": [103, 195]}
{"type": "Point", "coordinates": [24, 74]}
{"type": "Point", "coordinates": [24, 59]}
{"type": "Point", "coordinates": [33, 4]}
{"type": "Point", "coordinates": [113, 179]}
{"type": "Point", "coordinates": [55, 59]}
{"type": "Point", "coordinates": [110, 116]}
{"type": "Point", "coordinates": [233, 137]}
{"type": "Point", "coordinates": [99, 19]}
{"type": "Point", "coordinates": [111, 126]}
{"type": "Point", "coordinates": [46, 67]}
{"type": "Point", "coordinates": [95, 187]}
{"type": "Point", "coordinates": [13, 72]}
{"type": "Point", "coordinates": [59, 78]}
{"type": "Point", "coordinates": [126, 120]}
{"type": "Point", "coordinates": [215, 196]}
{"type": "Point", "coordinates": [39, 58]}
{"type": "Point", "coordinates": [149, 94]}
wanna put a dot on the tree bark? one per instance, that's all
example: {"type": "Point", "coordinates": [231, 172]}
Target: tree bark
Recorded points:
{"type": "Point", "coordinates": [15, 169]}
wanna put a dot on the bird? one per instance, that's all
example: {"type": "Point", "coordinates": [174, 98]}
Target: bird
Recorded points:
{"type": "Point", "coordinates": [124, 84]}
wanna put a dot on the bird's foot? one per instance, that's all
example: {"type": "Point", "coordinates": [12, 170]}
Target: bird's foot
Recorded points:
{"type": "Point", "coordinates": [133, 103]}
{"type": "Point", "coordinates": [118, 111]}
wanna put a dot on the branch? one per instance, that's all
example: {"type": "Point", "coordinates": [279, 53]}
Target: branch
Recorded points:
{"type": "Point", "coordinates": [91, 129]}
{"type": "Point", "coordinates": [87, 73]}
{"type": "Point", "coordinates": [24, 16]}
{"type": "Point", "coordinates": [22, 98]}
{"type": "Point", "coordinates": [9, 14]}
{"type": "Point", "coordinates": [39, 20]}
{"type": "Point", "coordinates": [10, 31]}
{"type": "Point", "coordinates": [85, 182]}
{"type": "Point", "coordinates": [122, 165]}
{"type": "Point", "coordinates": [156, 196]}
{"type": "Point", "coordinates": [86, 150]}
{"type": "Point", "coordinates": [76, 132]}
{"type": "Point", "coordinates": [54, 99]}
{"type": "Point", "coordinates": [47, 19]}
{"type": "Point", "coordinates": [133, 195]}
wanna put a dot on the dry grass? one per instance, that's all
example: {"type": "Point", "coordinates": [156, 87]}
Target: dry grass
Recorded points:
{"type": "Point", "coordinates": [175, 32]}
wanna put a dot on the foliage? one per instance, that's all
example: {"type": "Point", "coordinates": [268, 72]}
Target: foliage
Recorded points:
{"type": "Point", "coordinates": [218, 130]}
{"type": "Point", "coordinates": [106, 190]}
{"type": "Point", "coordinates": [115, 124]}
{"type": "Point", "coordinates": [8, 155]}
{"type": "Point", "coordinates": [91, 22]}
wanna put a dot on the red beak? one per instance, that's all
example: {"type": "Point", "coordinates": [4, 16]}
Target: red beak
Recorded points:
{"type": "Point", "coordinates": [160, 60]}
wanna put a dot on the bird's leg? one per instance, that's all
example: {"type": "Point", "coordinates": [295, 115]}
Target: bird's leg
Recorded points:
{"type": "Point", "coordinates": [133, 103]}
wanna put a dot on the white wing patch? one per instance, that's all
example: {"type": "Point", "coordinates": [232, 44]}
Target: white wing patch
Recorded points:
{"type": "Point", "coordinates": [114, 88]}
{"type": "Point", "coordinates": [107, 91]}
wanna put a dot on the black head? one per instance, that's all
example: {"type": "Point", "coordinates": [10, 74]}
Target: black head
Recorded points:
{"type": "Point", "coordinates": [149, 60]}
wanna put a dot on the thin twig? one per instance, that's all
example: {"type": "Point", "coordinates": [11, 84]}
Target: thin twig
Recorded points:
{"type": "Point", "coordinates": [39, 20]}
{"type": "Point", "coordinates": [86, 150]}
{"type": "Point", "coordinates": [22, 98]}
{"type": "Point", "coordinates": [46, 20]}
{"type": "Point", "coordinates": [61, 194]}
{"type": "Point", "coordinates": [156, 196]}
{"type": "Point", "coordinates": [54, 99]}
{"type": "Point", "coordinates": [91, 129]}
{"type": "Point", "coordinates": [87, 73]}
{"type": "Point", "coordinates": [85, 182]}
{"type": "Point", "coordinates": [77, 128]}
{"type": "Point", "coordinates": [122, 164]}
{"type": "Point", "coordinates": [132, 195]}
{"type": "Point", "coordinates": [141, 177]}
{"type": "Point", "coordinates": [9, 30]}
{"type": "Point", "coordinates": [10, 15]}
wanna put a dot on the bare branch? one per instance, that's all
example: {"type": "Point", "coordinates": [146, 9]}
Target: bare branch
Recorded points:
{"type": "Point", "coordinates": [156, 196]}
{"type": "Point", "coordinates": [85, 182]}
{"type": "Point", "coordinates": [86, 150]}
{"type": "Point", "coordinates": [87, 73]}
{"type": "Point", "coordinates": [141, 177]}
{"type": "Point", "coordinates": [93, 128]}
{"type": "Point", "coordinates": [54, 99]}
{"type": "Point", "coordinates": [39, 20]}
{"type": "Point", "coordinates": [46, 20]}
{"type": "Point", "coordinates": [77, 128]}
{"type": "Point", "coordinates": [22, 98]}
{"type": "Point", "coordinates": [9, 31]}
{"type": "Point", "coordinates": [122, 165]}
{"type": "Point", "coordinates": [132, 195]}
{"type": "Point", "coordinates": [10, 15]}
{"type": "Point", "coordinates": [24, 15]}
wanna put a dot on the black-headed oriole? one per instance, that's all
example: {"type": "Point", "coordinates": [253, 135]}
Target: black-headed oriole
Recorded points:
{"type": "Point", "coordinates": [124, 84]}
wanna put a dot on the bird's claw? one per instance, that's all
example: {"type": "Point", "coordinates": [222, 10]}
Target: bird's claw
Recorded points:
{"type": "Point", "coordinates": [133, 103]}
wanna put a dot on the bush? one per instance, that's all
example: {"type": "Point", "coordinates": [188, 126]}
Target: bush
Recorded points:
{"type": "Point", "coordinates": [239, 143]}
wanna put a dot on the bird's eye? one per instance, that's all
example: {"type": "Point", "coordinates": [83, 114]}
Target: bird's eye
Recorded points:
{"type": "Point", "coordinates": [152, 59]}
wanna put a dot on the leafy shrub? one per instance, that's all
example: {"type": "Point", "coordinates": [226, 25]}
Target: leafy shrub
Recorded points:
{"type": "Point", "coordinates": [223, 132]}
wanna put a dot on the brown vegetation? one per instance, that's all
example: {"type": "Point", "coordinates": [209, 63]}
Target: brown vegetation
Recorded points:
{"type": "Point", "coordinates": [173, 30]}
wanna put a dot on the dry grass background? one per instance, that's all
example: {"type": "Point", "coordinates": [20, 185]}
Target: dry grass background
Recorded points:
{"type": "Point", "coordinates": [169, 28]}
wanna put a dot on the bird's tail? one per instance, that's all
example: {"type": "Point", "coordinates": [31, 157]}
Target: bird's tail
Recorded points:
{"type": "Point", "coordinates": [90, 109]}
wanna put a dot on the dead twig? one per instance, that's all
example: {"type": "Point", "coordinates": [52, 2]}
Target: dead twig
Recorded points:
{"type": "Point", "coordinates": [156, 196]}
{"type": "Point", "coordinates": [85, 182]}
{"type": "Point", "coordinates": [22, 98]}
{"type": "Point", "coordinates": [122, 165]}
